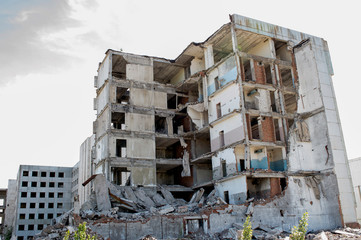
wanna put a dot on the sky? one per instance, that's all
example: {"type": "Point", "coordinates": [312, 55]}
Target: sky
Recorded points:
{"type": "Point", "coordinates": [50, 50]}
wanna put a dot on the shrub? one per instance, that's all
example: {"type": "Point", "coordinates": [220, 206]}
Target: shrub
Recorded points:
{"type": "Point", "coordinates": [299, 232]}
{"type": "Point", "coordinates": [80, 234]}
{"type": "Point", "coordinates": [247, 230]}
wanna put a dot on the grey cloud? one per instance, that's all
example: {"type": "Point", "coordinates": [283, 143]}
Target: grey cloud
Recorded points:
{"type": "Point", "coordinates": [21, 50]}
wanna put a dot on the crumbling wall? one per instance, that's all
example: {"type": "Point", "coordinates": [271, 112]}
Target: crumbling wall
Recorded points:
{"type": "Point", "coordinates": [103, 71]}
{"type": "Point", "coordinates": [139, 122]}
{"type": "Point", "coordinates": [263, 49]}
{"type": "Point", "coordinates": [228, 156]}
{"type": "Point", "coordinates": [237, 189]}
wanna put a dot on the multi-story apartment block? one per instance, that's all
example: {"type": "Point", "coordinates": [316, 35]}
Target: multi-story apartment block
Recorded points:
{"type": "Point", "coordinates": [251, 112]}
{"type": "Point", "coordinates": [3, 192]}
{"type": "Point", "coordinates": [43, 193]}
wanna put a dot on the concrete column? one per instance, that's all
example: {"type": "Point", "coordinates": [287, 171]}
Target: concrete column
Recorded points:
{"type": "Point", "coordinates": [208, 56]}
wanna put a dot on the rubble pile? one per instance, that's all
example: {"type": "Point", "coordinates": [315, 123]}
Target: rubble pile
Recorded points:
{"type": "Point", "coordinates": [111, 203]}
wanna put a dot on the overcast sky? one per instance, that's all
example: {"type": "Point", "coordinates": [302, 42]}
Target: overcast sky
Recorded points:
{"type": "Point", "coordinates": [50, 50]}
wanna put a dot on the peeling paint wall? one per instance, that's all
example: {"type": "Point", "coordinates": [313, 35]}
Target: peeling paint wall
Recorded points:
{"type": "Point", "coordinates": [237, 190]}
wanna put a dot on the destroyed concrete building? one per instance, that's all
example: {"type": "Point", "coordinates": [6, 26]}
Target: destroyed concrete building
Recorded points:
{"type": "Point", "coordinates": [250, 112]}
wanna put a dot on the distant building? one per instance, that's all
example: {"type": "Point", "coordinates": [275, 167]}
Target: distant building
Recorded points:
{"type": "Point", "coordinates": [2, 208]}
{"type": "Point", "coordinates": [355, 167]}
{"type": "Point", "coordinates": [10, 206]}
{"type": "Point", "coordinates": [43, 193]}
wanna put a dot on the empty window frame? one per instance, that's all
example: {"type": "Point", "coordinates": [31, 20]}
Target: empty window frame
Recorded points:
{"type": "Point", "coordinates": [61, 174]}
{"type": "Point", "coordinates": [221, 138]}
{"type": "Point", "coordinates": [254, 128]}
{"type": "Point", "coordinates": [25, 173]}
{"type": "Point", "coordinates": [290, 103]}
{"type": "Point", "coordinates": [51, 184]}
{"type": "Point", "coordinates": [50, 205]}
{"type": "Point", "coordinates": [52, 174]}
{"type": "Point", "coordinates": [51, 195]}
{"type": "Point", "coordinates": [241, 165]}
{"type": "Point", "coordinates": [21, 227]}
{"type": "Point", "coordinates": [23, 194]}
{"type": "Point", "coordinates": [22, 205]}
{"type": "Point", "coordinates": [34, 173]}
{"type": "Point", "coordinates": [60, 195]}
{"type": "Point", "coordinates": [161, 125]}
{"type": "Point", "coordinates": [273, 101]}
{"type": "Point", "coordinates": [217, 84]}
{"type": "Point", "coordinates": [60, 184]}
{"type": "Point", "coordinates": [121, 148]}
{"type": "Point", "coordinates": [226, 196]}
{"type": "Point", "coordinates": [34, 184]}
{"type": "Point", "coordinates": [41, 205]}
{"type": "Point", "coordinates": [122, 95]}
{"type": "Point", "coordinates": [247, 70]}
{"type": "Point", "coordinates": [224, 168]}
{"type": "Point", "coordinates": [219, 110]}
{"type": "Point", "coordinates": [118, 120]}
{"type": "Point", "coordinates": [41, 216]}
{"type": "Point", "coordinates": [42, 194]}
{"type": "Point", "coordinates": [172, 101]}
{"type": "Point", "coordinates": [59, 205]}
{"type": "Point", "coordinates": [268, 71]}
{"type": "Point", "coordinates": [33, 194]}
{"type": "Point", "coordinates": [286, 76]}
{"type": "Point", "coordinates": [42, 184]}
{"type": "Point", "coordinates": [50, 216]}
{"type": "Point", "coordinates": [40, 226]}
{"type": "Point", "coordinates": [31, 215]}
{"type": "Point", "coordinates": [22, 216]}
{"type": "Point", "coordinates": [24, 184]}
{"type": "Point", "coordinates": [43, 174]}
{"type": "Point", "coordinates": [120, 176]}
{"type": "Point", "coordinates": [30, 227]}
{"type": "Point", "coordinates": [277, 129]}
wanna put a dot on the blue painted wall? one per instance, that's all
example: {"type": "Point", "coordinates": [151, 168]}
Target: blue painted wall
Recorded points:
{"type": "Point", "coordinates": [259, 164]}
{"type": "Point", "coordinates": [226, 78]}
{"type": "Point", "coordinates": [280, 165]}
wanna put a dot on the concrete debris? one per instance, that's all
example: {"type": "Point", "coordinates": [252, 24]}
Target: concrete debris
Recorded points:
{"type": "Point", "coordinates": [186, 167]}
{"type": "Point", "coordinates": [166, 209]}
{"type": "Point", "coordinates": [250, 209]}
{"type": "Point", "coordinates": [197, 196]}
{"type": "Point", "coordinates": [167, 195]}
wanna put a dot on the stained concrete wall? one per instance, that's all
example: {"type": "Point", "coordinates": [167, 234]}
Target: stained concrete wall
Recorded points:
{"type": "Point", "coordinates": [179, 77]}
{"type": "Point", "coordinates": [136, 147]}
{"type": "Point", "coordinates": [85, 169]}
{"type": "Point", "coordinates": [142, 73]}
{"type": "Point", "coordinates": [103, 71]}
{"type": "Point", "coordinates": [10, 210]}
{"type": "Point", "coordinates": [139, 122]}
{"type": "Point", "coordinates": [263, 49]}
{"type": "Point", "coordinates": [101, 149]}
{"type": "Point", "coordinates": [233, 131]}
{"type": "Point", "coordinates": [102, 99]}
{"type": "Point", "coordinates": [103, 123]}
{"type": "Point", "coordinates": [147, 98]}
{"type": "Point", "coordinates": [197, 65]}
{"type": "Point", "coordinates": [229, 100]}
{"type": "Point", "coordinates": [355, 167]}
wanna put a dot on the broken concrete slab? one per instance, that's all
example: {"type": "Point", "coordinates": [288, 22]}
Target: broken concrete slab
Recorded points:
{"type": "Point", "coordinates": [166, 209]}
{"type": "Point", "coordinates": [197, 196]}
{"type": "Point", "coordinates": [167, 195]}
{"type": "Point", "coordinates": [101, 192]}
{"type": "Point", "coordinates": [142, 197]}
{"type": "Point", "coordinates": [159, 200]}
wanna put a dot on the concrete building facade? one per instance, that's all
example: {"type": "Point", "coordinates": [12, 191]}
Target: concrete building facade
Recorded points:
{"type": "Point", "coordinates": [43, 193]}
{"type": "Point", "coordinates": [355, 167]}
{"type": "Point", "coordinates": [10, 206]}
{"type": "Point", "coordinates": [251, 112]}
{"type": "Point", "coordinates": [3, 192]}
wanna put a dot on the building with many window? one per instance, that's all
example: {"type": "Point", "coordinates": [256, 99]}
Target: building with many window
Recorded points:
{"type": "Point", "coordinates": [43, 193]}
{"type": "Point", "coordinates": [251, 112]}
